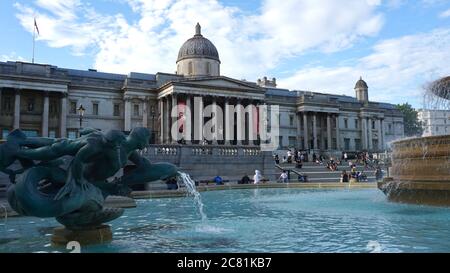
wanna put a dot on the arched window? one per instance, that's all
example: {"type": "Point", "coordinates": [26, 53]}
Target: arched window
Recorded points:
{"type": "Point", "coordinates": [208, 68]}
{"type": "Point", "coordinates": [190, 68]}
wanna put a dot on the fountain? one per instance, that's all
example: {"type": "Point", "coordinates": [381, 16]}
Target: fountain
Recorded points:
{"type": "Point", "coordinates": [46, 186]}
{"type": "Point", "coordinates": [420, 171]}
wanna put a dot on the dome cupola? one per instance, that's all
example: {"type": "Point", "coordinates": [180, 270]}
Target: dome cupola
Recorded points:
{"type": "Point", "coordinates": [198, 56]}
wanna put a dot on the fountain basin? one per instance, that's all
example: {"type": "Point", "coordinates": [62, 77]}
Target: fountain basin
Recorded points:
{"type": "Point", "coordinates": [420, 171]}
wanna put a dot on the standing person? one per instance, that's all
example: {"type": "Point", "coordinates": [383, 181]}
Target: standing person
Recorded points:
{"type": "Point", "coordinates": [344, 177]}
{"type": "Point", "coordinates": [345, 157]}
{"type": "Point", "coordinates": [378, 174]}
{"type": "Point", "coordinates": [284, 177]}
{"type": "Point", "coordinates": [289, 156]}
{"type": "Point", "coordinates": [257, 177]}
{"type": "Point", "coordinates": [277, 159]}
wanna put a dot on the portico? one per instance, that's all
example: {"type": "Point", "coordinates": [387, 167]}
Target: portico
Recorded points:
{"type": "Point", "coordinates": [37, 106]}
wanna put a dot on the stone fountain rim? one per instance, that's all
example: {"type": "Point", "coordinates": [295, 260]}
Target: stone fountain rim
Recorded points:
{"type": "Point", "coordinates": [426, 138]}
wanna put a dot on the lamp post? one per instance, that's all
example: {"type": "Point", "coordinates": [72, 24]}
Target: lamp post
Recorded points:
{"type": "Point", "coordinates": [81, 114]}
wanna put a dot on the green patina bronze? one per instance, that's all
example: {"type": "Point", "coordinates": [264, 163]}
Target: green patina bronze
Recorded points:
{"type": "Point", "coordinates": [70, 179]}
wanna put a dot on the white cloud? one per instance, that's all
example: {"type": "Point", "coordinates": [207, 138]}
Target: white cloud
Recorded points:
{"type": "Point", "coordinates": [249, 45]}
{"type": "Point", "coordinates": [11, 57]}
{"type": "Point", "coordinates": [395, 71]}
{"type": "Point", "coordinates": [445, 14]}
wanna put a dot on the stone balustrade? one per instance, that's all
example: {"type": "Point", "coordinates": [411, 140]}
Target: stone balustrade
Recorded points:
{"type": "Point", "coordinates": [200, 150]}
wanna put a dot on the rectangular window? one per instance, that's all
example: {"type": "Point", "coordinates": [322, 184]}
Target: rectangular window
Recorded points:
{"type": "Point", "coordinates": [291, 120]}
{"type": "Point", "coordinates": [390, 128]}
{"type": "Point", "coordinates": [292, 141]}
{"type": "Point", "coordinates": [30, 133]}
{"type": "Point", "coordinates": [373, 124]}
{"type": "Point", "coordinates": [71, 134]}
{"type": "Point", "coordinates": [116, 109]}
{"type": "Point", "coordinates": [346, 144]}
{"type": "Point", "coordinates": [346, 123]}
{"type": "Point", "coordinates": [208, 68]}
{"type": "Point", "coordinates": [95, 109]}
{"type": "Point", "coordinates": [53, 108]}
{"type": "Point", "coordinates": [375, 144]}
{"type": "Point", "coordinates": [30, 105]}
{"type": "Point", "coordinates": [356, 124]}
{"type": "Point", "coordinates": [136, 110]}
{"type": "Point", "coordinates": [73, 107]}
{"type": "Point", "coordinates": [7, 105]}
{"type": "Point", "coordinates": [357, 144]}
{"type": "Point", "coordinates": [5, 133]}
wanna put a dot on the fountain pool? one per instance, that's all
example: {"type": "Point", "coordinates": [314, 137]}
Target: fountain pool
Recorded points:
{"type": "Point", "coordinates": [258, 220]}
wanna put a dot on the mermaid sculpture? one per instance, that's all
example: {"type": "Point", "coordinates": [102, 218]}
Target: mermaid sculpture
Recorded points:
{"type": "Point", "coordinates": [74, 193]}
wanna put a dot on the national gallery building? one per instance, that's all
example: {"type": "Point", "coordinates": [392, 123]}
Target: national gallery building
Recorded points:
{"type": "Point", "coordinates": [45, 100]}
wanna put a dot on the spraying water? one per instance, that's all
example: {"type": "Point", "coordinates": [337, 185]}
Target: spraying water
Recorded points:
{"type": "Point", "coordinates": [191, 189]}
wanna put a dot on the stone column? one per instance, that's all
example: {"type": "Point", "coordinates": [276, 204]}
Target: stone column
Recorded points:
{"type": "Point", "coordinates": [1, 105]}
{"type": "Point", "coordinates": [17, 110]}
{"type": "Point", "coordinates": [174, 119]}
{"type": "Point", "coordinates": [215, 120]}
{"type": "Point", "coordinates": [145, 113]}
{"type": "Point", "coordinates": [229, 121]}
{"type": "Point", "coordinates": [380, 135]}
{"type": "Point", "coordinates": [63, 117]}
{"type": "Point", "coordinates": [315, 131]}
{"type": "Point", "coordinates": [322, 131]}
{"type": "Point", "coordinates": [251, 130]}
{"type": "Point", "coordinates": [369, 127]}
{"type": "Point", "coordinates": [188, 121]}
{"type": "Point", "coordinates": [161, 120]}
{"type": "Point", "coordinates": [364, 133]}
{"type": "Point", "coordinates": [166, 115]}
{"type": "Point", "coordinates": [299, 137]}
{"type": "Point", "coordinates": [329, 140]}
{"type": "Point", "coordinates": [127, 116]}
{"type": "Point", "coordinates": [44, 131]}
{"type": "Point", "coordinates": [305, 131]}
{"type": "Point", "coordinates": [198, 119]}
{"type": "Point", "coordinates": [240, 129]}
{"type": "Point", "coordinates": [338, 142]}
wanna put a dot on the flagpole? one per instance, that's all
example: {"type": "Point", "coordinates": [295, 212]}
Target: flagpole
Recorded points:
{"type": "Point", "coordinates": [34, 38]}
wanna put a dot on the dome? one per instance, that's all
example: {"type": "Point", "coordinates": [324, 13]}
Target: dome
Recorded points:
{"type": "Point", "coordinates": [198, 47]}
{"type": "Point", "coordinates": [361, 84]}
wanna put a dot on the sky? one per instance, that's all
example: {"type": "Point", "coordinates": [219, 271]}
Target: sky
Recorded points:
{"type": "Point", "coordinates": [396, 46]}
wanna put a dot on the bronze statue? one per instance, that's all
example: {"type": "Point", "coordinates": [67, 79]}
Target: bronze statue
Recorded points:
{"type": "Point", "coordinates": [74, 193]}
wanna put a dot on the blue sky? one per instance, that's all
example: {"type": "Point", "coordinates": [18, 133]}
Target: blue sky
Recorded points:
{"type": "Point", "coordinates": [397, 46]}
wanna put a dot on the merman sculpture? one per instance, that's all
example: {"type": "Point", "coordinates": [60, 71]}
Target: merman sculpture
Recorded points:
{"type": "Point", "coordinates": [74, 193]}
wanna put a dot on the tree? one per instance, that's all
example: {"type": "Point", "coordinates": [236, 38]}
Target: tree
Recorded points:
{"type": "Point", "coordinates": [412, 125]}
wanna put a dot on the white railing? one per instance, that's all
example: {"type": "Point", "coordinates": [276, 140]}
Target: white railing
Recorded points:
{"type": "Point", "coordinates": [200, 150]}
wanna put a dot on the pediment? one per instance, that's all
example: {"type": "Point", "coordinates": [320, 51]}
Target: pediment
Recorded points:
{"type": "Point", "coordinates": [222, 82]}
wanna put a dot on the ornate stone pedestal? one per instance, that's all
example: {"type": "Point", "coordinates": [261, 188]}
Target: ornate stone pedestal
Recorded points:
{"type": "Point", "coordinates": [98, 235]}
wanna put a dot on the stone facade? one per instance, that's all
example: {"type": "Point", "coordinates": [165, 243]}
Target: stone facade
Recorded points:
{"type": "Point", "coordinates": [43, 100]}
{"type": "Point", "coordinates": [435, 122]}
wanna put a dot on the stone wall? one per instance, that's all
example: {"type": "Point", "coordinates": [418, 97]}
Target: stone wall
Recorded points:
{"type": "Point", "coordinates": [206, 162]}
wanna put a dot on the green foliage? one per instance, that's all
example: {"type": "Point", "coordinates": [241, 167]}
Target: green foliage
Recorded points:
{"type": "Point", "coordinates": [412, 125]}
